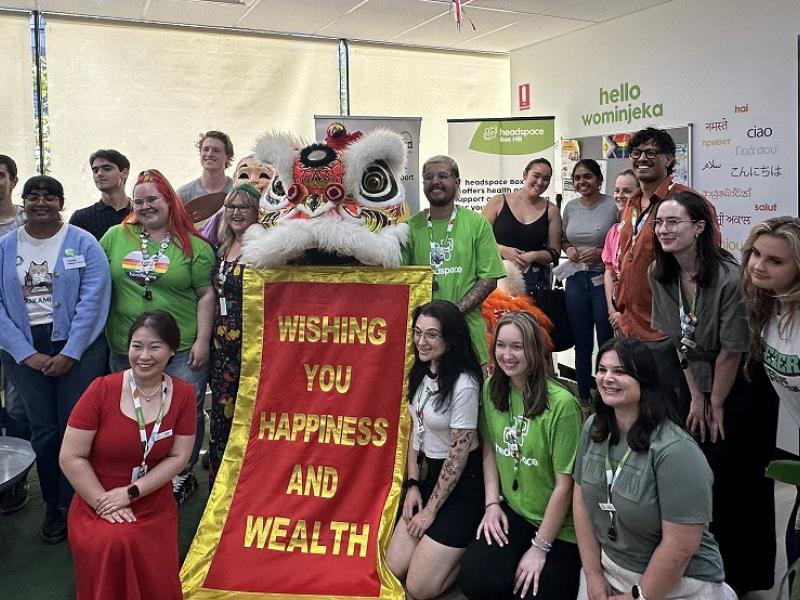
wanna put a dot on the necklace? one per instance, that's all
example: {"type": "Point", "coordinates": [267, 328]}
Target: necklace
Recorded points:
{"type": "Point", "coordinates": [149, 264]}
{"type": "Point", "coordinates": [439, 253]}
{"type": "Point", "coordinates": [148, 395]}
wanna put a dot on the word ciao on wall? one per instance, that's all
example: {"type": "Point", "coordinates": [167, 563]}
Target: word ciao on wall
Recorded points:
{"type": "Point", "coordinates": [620, 106]}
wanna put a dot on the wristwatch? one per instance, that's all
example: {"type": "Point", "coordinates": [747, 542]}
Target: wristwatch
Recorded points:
{"type": "Point", "coordinates": [636, 593]}
{"type": "Point", "coordinates": [133, 492]}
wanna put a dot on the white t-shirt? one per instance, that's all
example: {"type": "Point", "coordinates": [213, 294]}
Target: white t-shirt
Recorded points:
{"type": "Point", "coordinates": [781, 355]}
{"type": "Point", "coordinates": [461, 414]}
{"type": "Point", "coordinates": [36, 261]}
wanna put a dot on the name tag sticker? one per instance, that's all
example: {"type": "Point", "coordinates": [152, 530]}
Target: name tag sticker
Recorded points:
{"type": "Point", "coordinates": [164, 434]}
{"type": "Point", "coordinates": [74, 262]}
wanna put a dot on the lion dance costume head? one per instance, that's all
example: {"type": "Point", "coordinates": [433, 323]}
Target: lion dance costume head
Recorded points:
{"type": "Point", "coordinates": [340, 201]}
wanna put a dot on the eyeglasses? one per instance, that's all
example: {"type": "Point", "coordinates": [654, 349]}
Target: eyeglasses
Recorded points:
{"type": "Point", "coordinates": [429, 336]}
{"type": "Point", "coordinates": [670, 224]}
{"type": "Point", "coordinates": [147, 200]}
{"type": "Point", "coordinates": [650, 153]}
{"type": "Point", "coordinates": [441, 176]}
{"type": "Point", "coordinates": [242, 208]}
{"type": "Point", "coordinates": [34, 198]}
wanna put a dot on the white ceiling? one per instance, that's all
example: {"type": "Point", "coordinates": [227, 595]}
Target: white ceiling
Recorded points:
{"type": "Point", "coordinates": [499, 25]}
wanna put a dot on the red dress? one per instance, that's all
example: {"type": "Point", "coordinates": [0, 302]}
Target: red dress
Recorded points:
{"type": "Point", "coordinates": [127, 561]}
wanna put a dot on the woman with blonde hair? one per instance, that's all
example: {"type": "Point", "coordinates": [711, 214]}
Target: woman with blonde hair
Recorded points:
{"type": "Point", "coordinates": [770, 285]}
{"type": "Point", "coordinates": [240, 211]}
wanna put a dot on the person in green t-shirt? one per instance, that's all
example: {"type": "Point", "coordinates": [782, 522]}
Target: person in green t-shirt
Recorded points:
{"type": "Point", "coordinates": [159, 261]}
{"type": "Point", "coordinates": [459, 246]}
{"type": "Point", "coordinates": [642, 499]}
{"type": "Point", "coordinates": [530, 425]}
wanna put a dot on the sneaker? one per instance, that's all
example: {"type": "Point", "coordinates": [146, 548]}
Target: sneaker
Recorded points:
{"type": "Point", "coordinates": [184, 485]}
{"type": "Point", "coordinates": [205, 460]}
{"type": "Point", "coordinates": [54, 528]}
{"type": "Point", "coordinates": [14, 498]}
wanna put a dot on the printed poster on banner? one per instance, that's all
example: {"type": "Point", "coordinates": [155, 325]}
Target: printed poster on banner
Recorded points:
{"type": "Point", "coordinates": [407, 127]}
{"type": "Point", "coordinates": [492, 153]}
{"type": "Point", "coordinates": [743, 156]}
{"type": "Point", "coordinates": [310, 484]}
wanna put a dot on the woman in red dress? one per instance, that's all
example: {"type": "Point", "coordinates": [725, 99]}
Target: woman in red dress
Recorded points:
{"type": "Point", "coordinates": [129, 435]}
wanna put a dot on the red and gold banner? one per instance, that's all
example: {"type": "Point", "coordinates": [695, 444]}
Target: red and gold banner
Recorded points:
{"type": "Point", "coordinates": [306, 497]}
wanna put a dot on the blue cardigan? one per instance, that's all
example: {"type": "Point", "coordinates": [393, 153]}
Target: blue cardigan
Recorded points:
{"type": "Point", "coordinates": [80, 297]}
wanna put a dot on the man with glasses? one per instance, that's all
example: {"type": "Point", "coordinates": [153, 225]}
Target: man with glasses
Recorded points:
{"type": "Point", "coordinates": [459, 246]}
{"type": "Point", "coordinates": [653, 161]}
{"type": "Point", "coordinates": [110, 170]}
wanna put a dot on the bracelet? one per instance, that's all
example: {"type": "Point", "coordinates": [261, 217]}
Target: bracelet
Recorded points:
{"type": "Point", "coordinates": [497, 502]}
{"type": "Point", "coordinates": [544, 549]}
{"type": "Point", "coordinates": [410, 482]}
{"type": "Point", "coordinates": [543, 541]}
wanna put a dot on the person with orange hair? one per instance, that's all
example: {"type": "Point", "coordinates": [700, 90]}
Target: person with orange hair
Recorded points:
{"type": "Point", "coordinates": [159, 261]}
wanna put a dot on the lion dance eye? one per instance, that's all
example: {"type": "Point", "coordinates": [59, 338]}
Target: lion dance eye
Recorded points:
{"type": "Point", "coordinates": [335, 192]}
{"type": "Point", "coordinates": [378, 184]}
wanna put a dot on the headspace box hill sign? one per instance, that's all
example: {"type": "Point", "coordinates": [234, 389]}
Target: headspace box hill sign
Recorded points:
{"type": "Point", "coordinates": [492, 153]}
{"type": "Point", "coordinates": [622, 104]}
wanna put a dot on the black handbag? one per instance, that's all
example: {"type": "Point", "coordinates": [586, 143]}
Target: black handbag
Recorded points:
{"type": "Point", "coordinates": [551, 302]}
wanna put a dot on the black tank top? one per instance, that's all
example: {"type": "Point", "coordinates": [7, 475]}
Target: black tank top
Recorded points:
{"type": "Point", "coordinates": [508, 231]}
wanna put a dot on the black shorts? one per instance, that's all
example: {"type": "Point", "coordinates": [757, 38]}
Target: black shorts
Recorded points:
{"type": "Point", "coordinates": [458, 518]}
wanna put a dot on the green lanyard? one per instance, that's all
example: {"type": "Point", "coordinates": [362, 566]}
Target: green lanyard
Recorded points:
{"type": "Point", "coordinates": [147, 444]}
{"type": "Point", "coordinates": [514, 444]}
{"type": "Point", "coordinates": [611, 479]}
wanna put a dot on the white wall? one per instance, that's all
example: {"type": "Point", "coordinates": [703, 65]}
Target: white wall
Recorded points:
{"type": "Point", "coordinates": [699, 60]}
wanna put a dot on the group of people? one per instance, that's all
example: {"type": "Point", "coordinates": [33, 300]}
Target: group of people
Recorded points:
{"type": "Point", "coordinates": [508, 491]}
{"type": "Point", "coordinates": [694, 352]}
{"type": "Point", "coordinates": [129, 286]}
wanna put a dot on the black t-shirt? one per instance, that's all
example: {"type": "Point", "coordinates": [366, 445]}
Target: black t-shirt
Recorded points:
{"type": "Point", "coordinates": [98, 218]}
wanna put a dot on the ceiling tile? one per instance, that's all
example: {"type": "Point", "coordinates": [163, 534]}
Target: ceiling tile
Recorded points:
{"type": "Point", "coordinates": [442, 31]}
{"type": "Point", "coordinates": [382, 20]}
{"type": "Point", "coordinates": [304, 16]}
{"type": "Point", "coordinates": [597, 12]}
{"type": "Point", "coordinates": [531, 7]}
{"type": "Point", "coordinates": [121, 9]}
{"type": "Point", "coordinates": [529, 31]}
{"type": "Point", "coordinates": [190, 12]}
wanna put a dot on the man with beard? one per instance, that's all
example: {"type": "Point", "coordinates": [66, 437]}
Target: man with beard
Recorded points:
{"type": "Point", "coordinates": [459, 246]}
{"type": "Point", "coordinates": [653, 161]}
{"type": "Point", "coordinates": [110, 172]}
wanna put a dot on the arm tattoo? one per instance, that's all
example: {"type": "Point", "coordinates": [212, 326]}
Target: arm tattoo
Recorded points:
{"type": "Point", "coordinates": [477, 294]}
{"type": "Point", "coordinates": [460, 441]}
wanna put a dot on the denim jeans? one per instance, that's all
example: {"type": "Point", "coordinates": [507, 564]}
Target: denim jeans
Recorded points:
{"type": "Point", "coordinates": [587, 311]}
{"type": "Point", "coordinates": [179, 368]}
{"type": "Point", "coordinates": [48, 402]}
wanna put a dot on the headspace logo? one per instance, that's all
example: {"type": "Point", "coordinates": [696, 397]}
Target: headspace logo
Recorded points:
{"type": "Point", "coordinates": [622, 106]}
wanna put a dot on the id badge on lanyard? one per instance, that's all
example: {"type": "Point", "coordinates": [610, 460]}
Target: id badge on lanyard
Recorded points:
{"type": "Point", "coordinates": [140, 471]}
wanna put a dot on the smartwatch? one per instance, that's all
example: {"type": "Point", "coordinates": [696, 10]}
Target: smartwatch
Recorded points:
{"type": "Point", "coordinates": [636, 593]}
{"type": "Point", "coordinates": [133, 492]}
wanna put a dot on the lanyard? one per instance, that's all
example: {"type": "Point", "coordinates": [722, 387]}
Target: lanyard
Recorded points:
{"type": "Point", "coordinates": [612, 474]}
{"type": "Point", "coordinates": [147, 444]}
{"type": "Point", "coordinates": [637, 225]}
{"type": "Point", "coordinates": [514, 441]}
{"type": "Point", "coordinates": [421, 424]}
{"type": "Point", "coordinates": [688, 324]}
{"type": "Point", "coordinates": [149, 265]}
{"type": "Point", "coordinates": [221, 277]}
{"type": "Point", "coordinates": [437, 253]}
